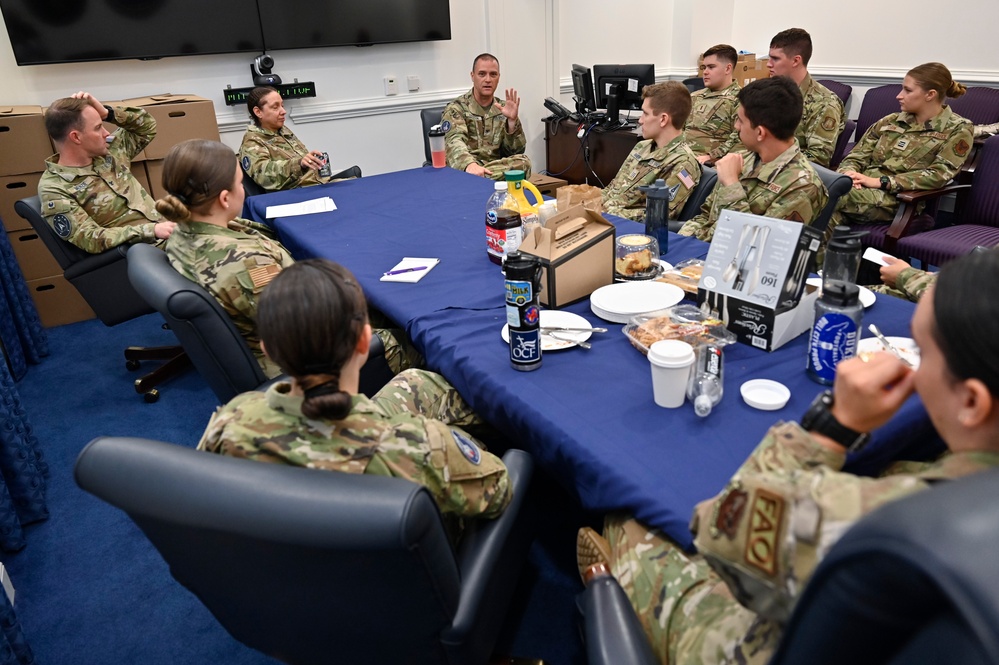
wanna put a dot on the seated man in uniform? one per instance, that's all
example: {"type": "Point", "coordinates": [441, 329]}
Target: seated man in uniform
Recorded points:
{"type": "Point", "coordinates": [761, 538]}
{"type": "Point", "coordinates": [664, 154]}
{"type": "Point", "coordinates": [710, 129]}
{"type": "Point", "coordinates": [823, 118]}
{"type": "Point", "coordinates": [484, 134]}
{"type": "Point", "coordinates": [774, 179]}
{"type": "Point", "coordinates": [88, 193]}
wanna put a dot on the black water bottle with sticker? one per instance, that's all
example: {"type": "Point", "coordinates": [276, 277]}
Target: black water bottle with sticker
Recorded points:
{"type": "Point", "coordinates": [523, 312]}
{"type": "Point", "coordinates": [325, 171]}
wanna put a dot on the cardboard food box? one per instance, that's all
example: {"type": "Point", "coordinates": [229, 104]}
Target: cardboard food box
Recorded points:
{"type": "Point", "coordinates": [24, 143]}
{"type": "Point", "coordinates": [576, 248]}
{"type": "Point", "coordinates": [754, 276]}
{"type": "Point", "coordinates": [58, 302]}
{"type": "Point", "coordinates": [32, 255]}
{"type": "Point", "coordinates": [546, 184]}
{"type": "Point", "coordinates": [178, 118]}
{"type": "Point", "coordinates": [12, 189]}
{"type": "Point", "coordinates": [154, 177]}
{"type": "Point", "coordinates": [749, 69]}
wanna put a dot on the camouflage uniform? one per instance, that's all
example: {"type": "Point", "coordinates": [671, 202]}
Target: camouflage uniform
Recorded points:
{"type": "Point", "coordinates": [234, 264]}
{"type": "Point", "coordinates": [786, 188]}
{"type": "Point", "coordinates": [913, 157]}
{"type": "Point", "coordinates": [711, 126]}
{"type": "Point", "coordinates": [822, 121]}
{"type": "Point", "coordinates": [910, 284]}
{"type": "Point", "coordinates": [273, 160]}
{"type": "Point", "coordinates": [674, 162]}
{"type": "Point", "coordinates": [407, 430]}
{"type": "Point", "coordinates": [478, 135]}
{"type": "Point", "coordinates": [791, 502]}
{"type": "Point", "coordinates": [102, 205]}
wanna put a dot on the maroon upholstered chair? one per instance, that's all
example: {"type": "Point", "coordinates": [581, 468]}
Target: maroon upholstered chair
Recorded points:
{"type": "Point", "coordinates": [977, 223]}
{"type": "Point", "coordinates": [842, 90]}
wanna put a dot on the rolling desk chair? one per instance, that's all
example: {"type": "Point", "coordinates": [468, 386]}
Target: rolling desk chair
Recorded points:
{"type": "Point", "coordinates": [709, 177]}
{"type": "Point", "coordinates": [102, 280]}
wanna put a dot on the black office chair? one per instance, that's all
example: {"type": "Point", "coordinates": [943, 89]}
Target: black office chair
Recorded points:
{"type": "Point", "coordinates": [694, 83]}
{"type": "Point", "coordinates": [837, 184]}
{"type": "Point", "coordinates": [314, 566]}
{"type": "Point", "coordinates": [915, 582]}
{"type": "Point", "coordinates": [209, 336]}
{"type": "Point", "coordinates": [709, 177]}
{"type": "Point", "coordinates": [429, 117]}
{"type": "Point", "coordinates": [102, 281]}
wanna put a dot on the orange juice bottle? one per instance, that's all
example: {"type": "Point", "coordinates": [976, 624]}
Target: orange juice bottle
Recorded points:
{"type": "Point", "coordinates": [516, 183]}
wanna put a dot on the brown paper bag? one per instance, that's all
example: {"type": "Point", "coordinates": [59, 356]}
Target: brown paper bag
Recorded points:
{"type": "Point", "coordinates": [587, 196]}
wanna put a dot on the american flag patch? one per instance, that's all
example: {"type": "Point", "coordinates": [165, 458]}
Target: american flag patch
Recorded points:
{"type": "Point", "coordinates": [261, 276]}
{"type": "Point", "coordinates": [685, 178]}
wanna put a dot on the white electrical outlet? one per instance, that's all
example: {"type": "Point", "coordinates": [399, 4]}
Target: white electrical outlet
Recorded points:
{"type": "Point", "coordinates": [413, 82]}
{"type": "Point", "coordinates": [391, 85]}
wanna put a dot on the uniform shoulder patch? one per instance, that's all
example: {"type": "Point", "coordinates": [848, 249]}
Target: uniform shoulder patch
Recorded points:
{"type": "Point", "coordinates": [246, 162]}
{"type": "Point", "coordinates": [467, 447]}
{"type": "Point", "coordinates": [261, 276]}
{"type": "Point", "coordinates": [828, 123]}
{"type": "Point", "coordinates": [962, 147]}
{"type": "Point", "coordinates": [729, 514]}
{"type": "Point", "coordinates": [446, 126]}
{"type": "Point", "coordinates": [63, 227]}
{"type": "Point", "coordinates": [766, 515]}
{"type": "Point", "coordinates": [673, 190]}
{"type": "Point", "coordinates": [795, 216]}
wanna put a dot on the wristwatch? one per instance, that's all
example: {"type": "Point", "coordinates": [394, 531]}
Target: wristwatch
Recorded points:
{"type": "Point", "coordinates": [820, 419]}
{"type": "Point", "coordinates": [885, 183]}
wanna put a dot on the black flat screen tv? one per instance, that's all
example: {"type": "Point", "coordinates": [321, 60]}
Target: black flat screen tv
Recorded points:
{"type": "Point", "coordinates": [59, 31]}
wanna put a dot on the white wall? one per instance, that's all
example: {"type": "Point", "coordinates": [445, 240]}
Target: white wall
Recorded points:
{"type": "Point", "coordinates": [536, 41]}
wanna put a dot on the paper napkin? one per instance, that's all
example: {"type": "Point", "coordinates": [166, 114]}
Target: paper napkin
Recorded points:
{"type": "Point", "coordinates": [414, 269]}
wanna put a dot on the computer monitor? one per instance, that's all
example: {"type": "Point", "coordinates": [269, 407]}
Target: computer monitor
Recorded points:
{"type": "Point", "coordinates": [582, 90]}
{"type": "Point", "coordinates": [620, 87]}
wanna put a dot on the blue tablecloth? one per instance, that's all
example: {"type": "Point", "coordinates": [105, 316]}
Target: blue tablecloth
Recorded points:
{"type": "Point", "coordinates": [21, 332]}
{"type": "Point", "coordinates": [587, 416]}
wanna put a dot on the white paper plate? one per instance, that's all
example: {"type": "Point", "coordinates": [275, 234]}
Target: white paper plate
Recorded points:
{"type": "Point", "coordinates": [765, 394]}
{"type": "Point", "coordinates": [905, 345]}
{"type": "Point", "coordinates": [630, 298]}
{"type": "Point", "coordinates": [552, 317]}
{"type": "Point", "coordinates": [867, 297]}
{"type": "Point", "coordinates": [608, 316]}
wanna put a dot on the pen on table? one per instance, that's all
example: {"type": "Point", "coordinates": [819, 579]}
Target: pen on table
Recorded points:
{"type": "Point", "coordinates": [399, 272]}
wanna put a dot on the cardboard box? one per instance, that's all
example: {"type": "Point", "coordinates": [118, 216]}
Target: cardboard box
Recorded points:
{"type": "Point", "coordinates": [576, 248]}
{"type": "Point", "coordinates": [178, 118]}
{"type": "Point", "coordinates": [141, 174]}
{"type": "Point", "coordinates": [546, 184]}
{"type": "Point", "coordinates": [154, 177]}
{"type": "Point", "coordinates": [12, 189]}
{"type": "Point", "coordinates": [24, 143]}
{"type": "Point", "coordinates": [58, 302]}
{"type": "Point", "coordinates": [754, 275]}
{"type": "Point", "coordinates": [32, 255]}
{"type": "Point", "coordinates": [749, 69]}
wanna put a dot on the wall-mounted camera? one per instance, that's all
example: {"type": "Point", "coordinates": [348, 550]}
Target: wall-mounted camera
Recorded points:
{"type": "Point", "coordinates": [261, 70]}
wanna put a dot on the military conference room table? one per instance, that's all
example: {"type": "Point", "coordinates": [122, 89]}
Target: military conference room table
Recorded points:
{"type": "Point", "coordinates": [587, 416]}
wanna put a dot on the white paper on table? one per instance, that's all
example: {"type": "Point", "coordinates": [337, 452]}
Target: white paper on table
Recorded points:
{"type": "Point", "coordinates": [876, 256]}
{"type": "Point", "coordinates": [411, 276]}
{"type": "Point", "coordinates": [324, 204]}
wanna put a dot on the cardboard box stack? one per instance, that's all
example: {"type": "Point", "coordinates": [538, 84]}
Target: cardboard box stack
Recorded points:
{"type": "Point", "coordinates": [746, 70]}
{"type": "Point", "coordinates": [24, 146]}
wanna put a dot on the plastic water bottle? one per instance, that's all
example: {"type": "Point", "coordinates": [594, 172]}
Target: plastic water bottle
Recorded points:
{"type": "Point", "coordinates": [705, 387]}
{"type": "Point", "coordinates": [504, 230]}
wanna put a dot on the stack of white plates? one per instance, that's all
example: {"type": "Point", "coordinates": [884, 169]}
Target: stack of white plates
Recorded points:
{"type": "Point", "coordinates": [619, 302]}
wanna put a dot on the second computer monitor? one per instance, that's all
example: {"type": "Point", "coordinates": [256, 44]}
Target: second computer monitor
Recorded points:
{"type": "Point", "coordinates": [620, 87]}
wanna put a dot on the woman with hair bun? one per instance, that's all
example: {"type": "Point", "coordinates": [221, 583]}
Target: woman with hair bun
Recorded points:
{"type": "Point", "coordinates": [232, 258]}
{"type": "Point", "coordinates": [921, 147]}
{"type": "Point", "coordinates": [313, 323]}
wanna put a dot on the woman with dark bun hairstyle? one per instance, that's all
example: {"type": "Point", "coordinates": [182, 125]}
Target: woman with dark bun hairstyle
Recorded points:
{"type": "Point", "coordinates": [232, 258]}
{"type": "Point", "coordinates": [313, 323]}
{"type": "Point", "coordinates": [271, 154]}
{"type": "Point", "coordinates": [921, 147]}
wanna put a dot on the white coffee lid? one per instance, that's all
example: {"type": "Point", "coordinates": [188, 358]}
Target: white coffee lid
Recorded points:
{"type": "Point", "coordinates": [671, 353]}
{"type": "Point", "coordinates": [765, 394]}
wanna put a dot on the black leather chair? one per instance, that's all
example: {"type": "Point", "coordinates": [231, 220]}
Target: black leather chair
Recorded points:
{"type": "Point", "coordinates": [102, 281]}
{"type": "Point", "coordinates": [206, 332]}
{"type": "Point", "coordinates": [429, 117]}
{"type": "Point", "coordinates": [314, 566]}
{"type": "Point", "coordinates": [915, 582]}
{"type": "Point", "coordinates": [709, 177]}
{"type": "Point", "coordinates": [694, 83]}
{"type": "Point", "coordinates": [837, 184]}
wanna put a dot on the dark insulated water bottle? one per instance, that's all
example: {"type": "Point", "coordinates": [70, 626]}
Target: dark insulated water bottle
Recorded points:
{"type": "Point", "coordinates": [657, 198]}
{"type": "Point", "coordinates": [836, 331]}
{"type": "Point", "coordinates": [523, 314]}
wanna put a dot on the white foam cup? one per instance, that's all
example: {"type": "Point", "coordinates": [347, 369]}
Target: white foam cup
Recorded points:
{"type": "Point", "coordinates": [671, 361]}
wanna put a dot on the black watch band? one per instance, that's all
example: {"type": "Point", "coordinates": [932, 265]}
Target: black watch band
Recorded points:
{"type": "Point", "coordinates": [820, 419]}
{"type": "Point", "coordinates": [885, 183]}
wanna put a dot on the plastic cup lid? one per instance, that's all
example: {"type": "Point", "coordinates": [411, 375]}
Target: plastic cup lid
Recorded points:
{"type": "Point", "coordinates": [671, 353]}
{"type": "Point", "coordinates": [765, 394]}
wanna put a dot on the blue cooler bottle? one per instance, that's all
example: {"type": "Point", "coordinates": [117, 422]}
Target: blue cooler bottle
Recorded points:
{"type": "Point", "coordinates": [836, 331]}
{"type": "Point", "coordinates": [523, 312]}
